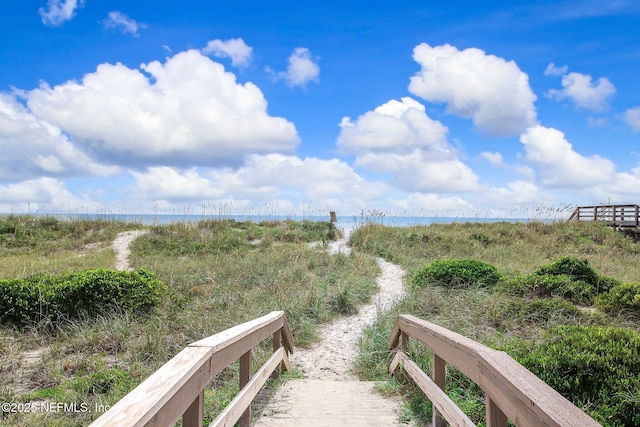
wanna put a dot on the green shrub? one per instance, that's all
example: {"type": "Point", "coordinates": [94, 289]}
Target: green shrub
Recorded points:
{"type": "Point", "coordinates": [578, 269]}
{"type": "Point", "coordinates": [74, 294]}
{"type": "Point", "coordinates": [520, 311]}
{"type": "Point", "coordinates": [596, 368]}
{"type": "Point", "coordinates": [457, 273]}
{"type": "Point", "coordinates": [624, 299]}
{"type": "Point", "coordinates": [547, 286]}
{"type": "Point", "coordinates": [569, 278]}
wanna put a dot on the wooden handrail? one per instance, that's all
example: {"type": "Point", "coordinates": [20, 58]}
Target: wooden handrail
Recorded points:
{"type": "Point", "coordinates": [511, 391]}
{"type": "Point", "coordinates": [177, 388]}
{"type": "Point", "coordinates": [615, 215]}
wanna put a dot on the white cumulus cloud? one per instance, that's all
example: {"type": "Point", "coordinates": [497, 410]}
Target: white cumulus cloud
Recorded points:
{"type": "Point", "coordinates": [398, 138]}
{"type": "Point", "coordinates": [632, 118]}
{"type": "Point", "coordinates": [491, 91]}
{"type": "Point", "coordinates": [188, 110]}
{"type": "Point", "coordinates": [166, 183]}
{"type": "Point", "coordinates": [423, 171]}
{"type": "Point", "coordinates": [395, 125]}
{"type": "Point", "coordinates": [236, 49]}
{"type": "Point", "coordinates": [58, 12]}
{"type": "Point", "coordinates": [32, 147]}
{"type": "Point", "coordinates": [301, 69]}
{"type": "Point", "coordinates": [558, 165]}
{"type": "Point", "coordinates": [430, 204]}
{"type": "Point", "coordinates": [580, 89]}
{"type": "Point", "coordinates": [263, 179]}
{"type": "Point", "coordinates": [124, 23]}
{"type": "Point", "coordinates": [37, 191]}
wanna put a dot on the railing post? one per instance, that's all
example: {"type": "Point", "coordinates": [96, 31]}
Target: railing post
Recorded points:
{"type": "Point", "coordinates": [439, 377]}
{"type": "Point", "coordinates": [194, 415]}
{"type": "Point", "coordinates": [495, 416]}
{"type": "Point", "coordinates": [404, 341]}
{"type": "Point", "coordinates": [277, 343]}
{"type": "Point", "coordinates": [245, 374]}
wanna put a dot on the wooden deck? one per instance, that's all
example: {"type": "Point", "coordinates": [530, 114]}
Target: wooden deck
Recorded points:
{"type": "Point", "coordinates": [622, 217]}
{"type": "Point", "coordinates": [177, 389]}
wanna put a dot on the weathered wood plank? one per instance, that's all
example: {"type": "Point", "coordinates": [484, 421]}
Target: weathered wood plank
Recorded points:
{"type": "Point", "coordinates": [245, 375]}
{"type": "Point", "coordinates": [439, 374]}
{"type": "Point", "coordinates": [193, 417]}
{"type": "Point", "coordinates": [495, 416]}
{"type": "Point", "coordinates": [520, 395]}
{"type": "Point", "coordinates": [456, 349]}
{"type": "Point", "coordinates": [236, 407]}
{"type": "Point", "coordinates": [287, 337]}
{"type": "Point", "coordinates": [525, 398]}
{"type": "Point", "coordinates": [142, 405]}
{"type": "Point", "coordinates": [270, 322]}
{"type": "Point", "coordinates": [167, 394]}
{"type": "Point", "coordinates": [441, 402]}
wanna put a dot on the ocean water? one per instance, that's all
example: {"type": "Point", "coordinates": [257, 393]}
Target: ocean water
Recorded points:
{"type": "Point", "coordinates": [345, 223]}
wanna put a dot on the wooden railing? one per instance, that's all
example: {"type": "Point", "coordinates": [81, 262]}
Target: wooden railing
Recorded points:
{"type": "Point", "coordinates": [511, 391]}
{"type": "Point", "coordinates": [177, 388]}
{"type": "Point", "coordinates": [614, 215]}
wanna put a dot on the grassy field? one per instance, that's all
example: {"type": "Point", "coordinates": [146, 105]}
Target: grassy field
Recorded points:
{"type": "Point", "coordinates": [221, 273]}
{"type": "Point", "coordinates": [488, 315]}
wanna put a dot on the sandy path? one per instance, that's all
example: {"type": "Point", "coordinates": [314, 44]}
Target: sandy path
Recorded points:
{"type": "Point", "coordinates": [121, 246]}
{"type": "Point", "coordinates": [333, 356]}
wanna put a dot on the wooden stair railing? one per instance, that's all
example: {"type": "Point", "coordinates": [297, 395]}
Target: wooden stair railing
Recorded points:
{"type": "Point", "coordinates": [614, 215]}
{"type": "Point", "coordinates": [511, 391]}
{"type": "Point", "coordinates": [177, 388]}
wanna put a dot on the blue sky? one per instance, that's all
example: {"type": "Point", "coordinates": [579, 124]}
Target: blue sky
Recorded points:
{"type": "Point", "coordinates": [421, 108]}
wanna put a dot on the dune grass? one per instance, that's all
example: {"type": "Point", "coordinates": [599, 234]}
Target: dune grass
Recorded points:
{"type": "Point", "coordinates": [487, 315]}
{"type": "Point", "coordinates": [219, 273]}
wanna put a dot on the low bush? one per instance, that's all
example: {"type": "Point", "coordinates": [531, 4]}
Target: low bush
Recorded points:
{"type": "Point", "coordinates": [578, 269]}
{"type": "Point", "coordinates": [537, 311]}
{"type": "Point", "coordinates": [570, 278]}
{"type": "Point", "coordinates": [597, 368]}
{"type": "Point", "coordinates": [622, 299]}
{"type": "Point", "coordinates": [457, 273]}
{"type": "Point", "coordinates": [72, 295]}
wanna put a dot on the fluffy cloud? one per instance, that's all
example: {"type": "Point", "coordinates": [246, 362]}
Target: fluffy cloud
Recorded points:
{"type": "Point", "coordinates": [494, 158]}
{"type": "Point", "coordinates": [558, 165]}
{"type": "Point", "coordinates": [493, 92]}
{"type": "Point", "coordinates": [119, 20]}
{"type": "Point", "coordinates": [430, 204]}
{"type": "Point", "coordinates": [552, 70]}
{"type": "Point", "coordinates": [632, 118]}
{"type": "Point", "coordinates": [396, 125]}
{"type": "Point", "coordinates": [398, 138]}
{"type": "Point", "coordinates": [32, 147]}
{"type": "Point", "coordinates": [59, 11]}
{"type": "Point", "coordinates": [583, 92]}
{"type": "Point", "coordinates": [165, 183]}
{"type": "Point", "coordinates": [42, 195]}
{"type": "Point", "coordinates": [301, 69]}
{"type": "Point", "coordinates": [264, 179]}
{"type": "Point", "coordinates": [423, 171]}
{"type": "Point", "coordinates": [187, 110]}
{"type": "Point", "coordinates": [236, 49]}
{"type": "Point", "coordinates": [515, 194]}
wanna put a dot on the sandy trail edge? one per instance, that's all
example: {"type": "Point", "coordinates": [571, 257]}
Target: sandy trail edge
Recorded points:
{"type": "Point", "coordinates": [334, 355]}
{"type": "Point", "coordinates": [121, 247]}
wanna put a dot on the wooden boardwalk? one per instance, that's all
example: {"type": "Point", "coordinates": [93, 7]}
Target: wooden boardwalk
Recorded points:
{"type": "Point", "coordinates": [329, 403]}
{"type": "Point", "coordinates": [622, 217]}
